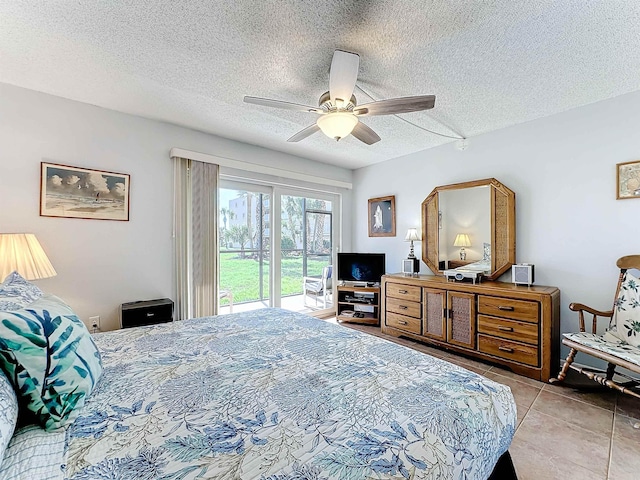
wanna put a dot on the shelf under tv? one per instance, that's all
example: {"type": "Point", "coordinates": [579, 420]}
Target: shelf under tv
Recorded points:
{"type": "Point", "coordinates": [368, 312]}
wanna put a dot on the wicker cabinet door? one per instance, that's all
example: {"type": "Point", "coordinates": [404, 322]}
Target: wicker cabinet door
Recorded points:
{"type": "Point", "coordinates": [433, 319]}
{"type": "Point", "coordinates": [461, 319]}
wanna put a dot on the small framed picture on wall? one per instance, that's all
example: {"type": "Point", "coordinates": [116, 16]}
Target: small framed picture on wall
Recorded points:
{"type": "Point", "coordinates": [628, 180]}
{"type": "Point", "coordinates": [382, 216]}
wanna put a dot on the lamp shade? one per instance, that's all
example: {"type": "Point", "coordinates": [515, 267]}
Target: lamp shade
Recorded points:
{"type": "Point", "coordinates": [21, 252]}
{"type": "Point", "coordinates": [412, 235]}
{"type": "Point", "coordinates": [338, 124]}
{"type": "Point", "coordinates": [462, 240]}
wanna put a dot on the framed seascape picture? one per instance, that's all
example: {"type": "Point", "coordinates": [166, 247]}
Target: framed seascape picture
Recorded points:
{"type": "Point", "coordinates": [382, 216]}
{"type": "Point", "coordinates": [76, 192]}
{"type": "Point", "coordinates": [628, 180]}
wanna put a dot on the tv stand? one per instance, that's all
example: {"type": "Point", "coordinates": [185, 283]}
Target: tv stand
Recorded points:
{"type": "Point", "coordinates": [358, 304]}
{"type": "Point", "coordinates": [360, 284]}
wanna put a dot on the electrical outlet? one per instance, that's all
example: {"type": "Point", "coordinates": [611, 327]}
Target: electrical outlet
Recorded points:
{"type": "Point", "coordinates": [95, 323]}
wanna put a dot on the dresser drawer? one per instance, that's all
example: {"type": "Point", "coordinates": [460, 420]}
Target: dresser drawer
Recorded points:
{"type": "Point", "coordinates": [404, 307]}
{"type": "Point", "coordinates": [518, 352]}
{"type": "Point", "coordinates": [407, 292]}
{"type": "Point", "coordinates": [506, 307]}
{"type": "Point", "coordinates": [510, 329]}
{"type": "Point", "coordinates": [403, 322]}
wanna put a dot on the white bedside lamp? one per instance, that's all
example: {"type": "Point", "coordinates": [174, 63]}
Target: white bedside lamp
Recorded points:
{"type": "Point", "coordinates": [462, 240]}
{"type": "Point", "coordinates": [21, 252]}
{"type": "Point", "coordinates": [412, 236]}
{"type": "Point", "coordinates": [411, 266]}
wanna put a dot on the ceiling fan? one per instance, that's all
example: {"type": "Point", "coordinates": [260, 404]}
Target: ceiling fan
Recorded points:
{"type": "Point", "coordinates": [337, 109]}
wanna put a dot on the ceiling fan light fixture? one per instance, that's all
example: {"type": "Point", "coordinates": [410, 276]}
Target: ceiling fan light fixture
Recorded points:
{"type": "Point", "coordinates": [337, 125]}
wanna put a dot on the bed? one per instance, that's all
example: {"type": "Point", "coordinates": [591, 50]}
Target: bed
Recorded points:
{"type": "Point", "coordinates": [481, 266]}
{"type": "Point", "coordinates": [273, 395]}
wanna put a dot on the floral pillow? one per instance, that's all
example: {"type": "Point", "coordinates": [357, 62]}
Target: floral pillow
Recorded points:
{"type": "Point", "coordinates": [486, 252]}
{"type": "Point", "coordinates": [626, 317]}
{"type": "Point", "coordinates": [8, 412]}
{"type": "Point", "coordinates": [49, 355]}
{"type": "Point", "coordinates": [16, 292]}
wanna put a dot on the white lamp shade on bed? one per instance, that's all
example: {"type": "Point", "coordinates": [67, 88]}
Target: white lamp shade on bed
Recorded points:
{"type": "Point", "coordinates": [21, 252]}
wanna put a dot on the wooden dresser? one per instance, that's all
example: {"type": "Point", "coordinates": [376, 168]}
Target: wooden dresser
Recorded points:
{"type": "Point", "coordinates": [512, 325]}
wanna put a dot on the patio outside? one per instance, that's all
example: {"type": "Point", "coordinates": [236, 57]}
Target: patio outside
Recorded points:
{"type": "Point", "coordinates": [240, 269]}
{"type": "Point", "coordinates": [245, 236]}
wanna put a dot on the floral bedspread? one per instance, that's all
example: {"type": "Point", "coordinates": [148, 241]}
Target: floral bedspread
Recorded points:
{"type": "Point", "coordinates": [276, 395]}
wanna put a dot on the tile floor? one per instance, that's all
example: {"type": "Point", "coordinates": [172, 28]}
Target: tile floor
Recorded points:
{"type": "Point", "coordinates": [588, 433]}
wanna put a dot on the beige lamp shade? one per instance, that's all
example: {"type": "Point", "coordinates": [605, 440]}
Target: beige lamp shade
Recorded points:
{"type": "Point", "coordinates": [412, 235]}
{"type": "Point", "coordinates": [462, 240]}
{"type": "Point", "coordinates": [21, 252]}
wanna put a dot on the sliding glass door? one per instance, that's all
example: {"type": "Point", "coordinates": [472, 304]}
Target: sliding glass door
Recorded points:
{"type": "Point", "coordinates": [306, 249]}
{"type": "Point", "coordinates": [245, 249]}
{"type": "Point", "coordinates": [275, 245]}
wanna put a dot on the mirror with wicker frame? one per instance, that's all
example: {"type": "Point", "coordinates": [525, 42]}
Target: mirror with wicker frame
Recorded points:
{"type": "Point", "coordinates": [496, 233]}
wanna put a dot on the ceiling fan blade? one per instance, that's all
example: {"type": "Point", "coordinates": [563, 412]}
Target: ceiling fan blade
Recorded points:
{"type": "Point", "coordinates": [393, 106]}
{"type": "Point", "coordinates": [343, 75]}
{"type": "Point", "coordinates": [267, 102]}
{"type": "Point", "coordinates": [365, 134]}
{"type": "Point", "coordinates": [302, 134]}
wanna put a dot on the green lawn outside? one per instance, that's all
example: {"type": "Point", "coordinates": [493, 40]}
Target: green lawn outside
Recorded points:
{"type": "Point", "coordinates": [241, 276]}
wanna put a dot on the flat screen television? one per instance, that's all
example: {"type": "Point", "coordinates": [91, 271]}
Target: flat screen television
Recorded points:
{"type": "Point", "coordinates": [361, 267]}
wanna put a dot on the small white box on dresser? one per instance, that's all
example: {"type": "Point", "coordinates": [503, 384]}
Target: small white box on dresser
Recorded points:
{"type": "Point", "coordinates": [523, 274]}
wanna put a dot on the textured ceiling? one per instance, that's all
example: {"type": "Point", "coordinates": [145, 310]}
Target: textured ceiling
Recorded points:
{"type": "Point", "coordinates": [490, 64]}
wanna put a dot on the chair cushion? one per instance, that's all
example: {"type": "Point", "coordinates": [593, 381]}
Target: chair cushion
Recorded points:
{"type": "Point", "coordinates": [607, 343]}
{"type": "Point", "coordinates": [626, 317]}
{"type": "Point", "coordinates": [49, 355]}
{"type": "Point", "coordinates": [16, 292]}
{"type": "Point", "coordinates": [312, 285]}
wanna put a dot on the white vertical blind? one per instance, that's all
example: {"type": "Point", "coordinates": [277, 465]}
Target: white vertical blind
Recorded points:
{"type": "Point", "coordinates": [204, 237]}
{"type": "Point", "coordinates": [195, 238]}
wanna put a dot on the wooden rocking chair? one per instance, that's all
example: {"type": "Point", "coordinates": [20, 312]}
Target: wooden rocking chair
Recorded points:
{"type": "Point", "coordinates": [607, 347]}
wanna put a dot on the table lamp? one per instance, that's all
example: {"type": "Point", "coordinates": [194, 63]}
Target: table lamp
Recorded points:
{"type": "Point", "coordinates": [462, 240]}
{"type": "Point", "coordinates": [411, 265]}
{"type": "Point", "coordinates": [21, 252]}
{"type": "Point", "coordinates": [412, 235]}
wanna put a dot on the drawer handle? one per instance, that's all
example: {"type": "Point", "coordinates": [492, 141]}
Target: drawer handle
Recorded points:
{"type": "Point", "coordinates": [403, 291]}
{"type": "Point", "coordinates": [403, 307]}
{"type": "Point", "coordinates": [402, 322]}
{"type": "Point", "coordinates": [506, 309]}
{"type": "Point", "coordinates": [150, 314]}
{"type": "Point", "coordinates": [505, 329]}
{"type": "Point", "coordinates": [505, 349]}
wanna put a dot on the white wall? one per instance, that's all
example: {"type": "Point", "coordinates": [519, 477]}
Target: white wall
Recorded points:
{"type": "Point", "coordinates": [102, 264]}
{"type": "Point", "coordinates": [563, 171]}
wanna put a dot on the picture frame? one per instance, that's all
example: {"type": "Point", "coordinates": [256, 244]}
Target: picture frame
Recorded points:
{"type": "Point", "coordinates": [628, 180]}
{"type": "Point", "coordinates": [382, 216]}
{"type": "Point", "coordinates": [77, 192]}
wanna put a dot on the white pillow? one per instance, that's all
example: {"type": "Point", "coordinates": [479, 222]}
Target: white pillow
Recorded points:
{"type": "Point", "coordinates": [8, 412]}
{"type": "Point", "coordinates": [626, 317]}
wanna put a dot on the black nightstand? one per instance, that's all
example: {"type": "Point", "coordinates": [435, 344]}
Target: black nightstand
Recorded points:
{"type": "Point", "coordinates": [458, 263]}
{"type": "Point", "coordinates": [146, 312]}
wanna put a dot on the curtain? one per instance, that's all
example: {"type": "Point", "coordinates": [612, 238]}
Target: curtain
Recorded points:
{"type": "Point", "coordinates": [195, 238]}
